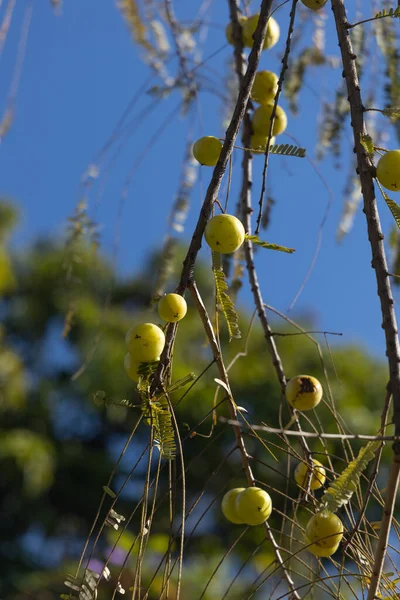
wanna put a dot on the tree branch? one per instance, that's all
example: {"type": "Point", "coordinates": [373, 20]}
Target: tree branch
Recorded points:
{"type": "Point", "coordinates": [365, 170]}
{"type": "Point", "coordinates": [375, 235]}
{"type": "Point", "coordinates": [208, 328]}
{"type": "Point", "coordinates": [216, 179]}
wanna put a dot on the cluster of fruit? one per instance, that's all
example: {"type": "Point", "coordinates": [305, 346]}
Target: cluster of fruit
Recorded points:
{"type": "Point", "coordinates": [253, 506]}
{"type": "Point", "coordinates": [145, 342]}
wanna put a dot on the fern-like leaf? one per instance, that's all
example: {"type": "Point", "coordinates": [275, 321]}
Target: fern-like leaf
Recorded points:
{"type": "Point", "coordinates": [161, 420]}
{"type": "Point", "coordinates": [392, 111]}
{"type": "Point", "coordinates": [393, 206]}
{"type": "Point", "coordinates": [367, 143]}
{"type": "Point", "coordinates": [388, 12]}
{"type": "Point", "coordinates": [288, 150]}
{"type": "Point", "coordinates": [180, 383]}
{"type": "Point", "coordinates": [256, 240]}
{"type": "Point", "coordinates": [226, 304]}
{"type": "Point", "coordinates": [341, 490]}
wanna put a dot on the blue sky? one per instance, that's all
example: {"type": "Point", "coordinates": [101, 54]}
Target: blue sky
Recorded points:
{"type": "Point", "coordinates": [81, 70]}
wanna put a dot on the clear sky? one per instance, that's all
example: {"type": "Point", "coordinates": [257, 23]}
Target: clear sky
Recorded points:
{"type": "Point", "coordinates": [82, 69]}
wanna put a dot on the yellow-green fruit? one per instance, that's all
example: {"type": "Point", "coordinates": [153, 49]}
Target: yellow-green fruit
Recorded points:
{"type": "Point", "coordinates": [224, 233]}
{"type": "Point", "coordinates": [321, 551]}
{"type": "Point", "coordinates": [228, 505]}
{"type": "Point", "coordinates": [253, 506]}
{"type": "Point", "coordinates": [303, 392]}
{"type": "Point", "coordinates": [262, 119]}
{"type": "Point", "coordinates": [264, 87]}
{"type": "Point", "coordinates": [207, 150]}
{"type": "Point", "coordinates": [318, 476]}
{"type": "Point", "coordinates": [172, 308]}
{"type": "Point", "coordinates": [388, 170]}
{"type": "Point", "coordinates": [324, 531]}
{"type": "Point", "coordinates": [145, 342]}
{"type": "Point", "coordinates": [229, 30]}
{"type": "Point", "coordinates": [249, 27]}
{"type": "Point", "coordinates": [131, 366]}
{"type": "Point", "coordinates": [259, 143]}
{"type": "Point", "coordinates": [314, 4]}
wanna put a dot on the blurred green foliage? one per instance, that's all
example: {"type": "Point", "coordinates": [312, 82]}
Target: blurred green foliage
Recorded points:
{"type": "Point", "coordinates": [58, 445]}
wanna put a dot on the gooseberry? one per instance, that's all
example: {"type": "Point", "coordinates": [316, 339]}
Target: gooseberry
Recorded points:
{"type": "Point", "coordinates": [264, 87]}
{"type": "Point", "coordinates": [249, 27]}
{"type": "Point", "coordinates": [324, 531]}
{"type": "Point", "coordinates": [303, 392]}
{"type": "Point", "coordinates": [172, 308]}
{"type": "Point", "coordinates": [259, 143]}
{"type": "Point", "coordinates": [145, 342]}
{"type": "Point", "coordinates": [253, 506]}
{"type": "Point", "coordinates": [262, 118]}
{"type": "Point", "coordinates": [228, 505]}
{"type": "Point", "coordinates": [206, 150]}
{"type": "Point", "coordinates": [224, 233]}
{"type": "Point", "coordinates": [229, 30]}
{"type": "Point", "coordinates": [318, 476]}
{"type": "Point", "coordinates": [388, 170]}
{"type": "Point", "coordinates": [314, 4]}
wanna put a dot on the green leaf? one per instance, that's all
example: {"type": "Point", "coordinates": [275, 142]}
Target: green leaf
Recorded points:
{"type": "Point", "coordinates": [367, 143]}
{"type": "Point", "coordinates": [180, 383]}
{"type": "Point", "coordinates": [388, 12]}
{"type": "Point", "coordinates": [342, 488]}
{"type": "Point", "coordinates": [393, 206]}
{"type": "Point", "coordinates": [109, 491]}
{"type": "Point", "coordinates": [256, 240]}
{"type": "Point", "coordinates": [227, 307]}
{"type": "Point", "coordinates": [288, 150]}
{"type": "Point", "coordinates": [391, 111]}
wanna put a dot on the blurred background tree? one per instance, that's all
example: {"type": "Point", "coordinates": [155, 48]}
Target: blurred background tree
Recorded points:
{"type": "Point", "coordinates": [59, 443]}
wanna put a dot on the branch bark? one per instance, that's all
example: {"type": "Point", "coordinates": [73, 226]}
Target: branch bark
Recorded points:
{"type": "Point", "coordinates": [389, 324]}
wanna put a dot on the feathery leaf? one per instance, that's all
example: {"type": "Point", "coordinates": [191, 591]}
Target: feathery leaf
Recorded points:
{"type": "Point", "coordinates": [288, 150]}
{"type": "Point", "coordinates": [342, 488]}
{"type": "Point", "coordinates": [223, 299]}
{"type": "Point", "coordinates": [256, 240]}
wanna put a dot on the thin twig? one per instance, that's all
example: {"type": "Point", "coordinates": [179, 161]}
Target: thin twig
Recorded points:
{"type": "Point", "coordinates": [216, 179]}
{"type": "Point", "coordinates": [233, 411]}
{"type": "Point", "coordinates": [310, 434]}
{"type": "Point", "coordinates": [386, 524]}
{"type": "Point", "coordinates": [285, 65]}
{"type": "Point", "coordinates": [375, 470]}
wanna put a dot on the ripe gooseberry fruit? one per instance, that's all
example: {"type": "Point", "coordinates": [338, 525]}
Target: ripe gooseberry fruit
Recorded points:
{"type": "Point", "coordinates": [303, 392]}
{"type": "Point", "coordinates": [145, 342]}
{"type": "Point", "coordinates": [253, 506]}
{"type": "Point", "coordinates": [224, 233]}
{"type": "Point", "coordinates": [131, 366]}
{"type": "Point", "coordinates": [259, 143]}
{"type": "Point", "coordinates": [324, 531]}
{"type": "Point", "coordinates": [228, 505]}
{"type": "Point", "coordinates": [271, 37]}
{"type": "Point", "coordinates": [264, 87]}
{"type": "Point", "coordinates": [262, 118]}
{"type": "Point", "coordinates": [207, 150]}
{"type": "Point", "coordinates": [318, 476]}
{"type": "Point", "coordinates": [229, 30]}
{"type": "Point", "coordinates": [172, 308]}
{"type": "Point", "coordinates": [314, 4]}
{"type": "Point", "coordinates": [388, 170]}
